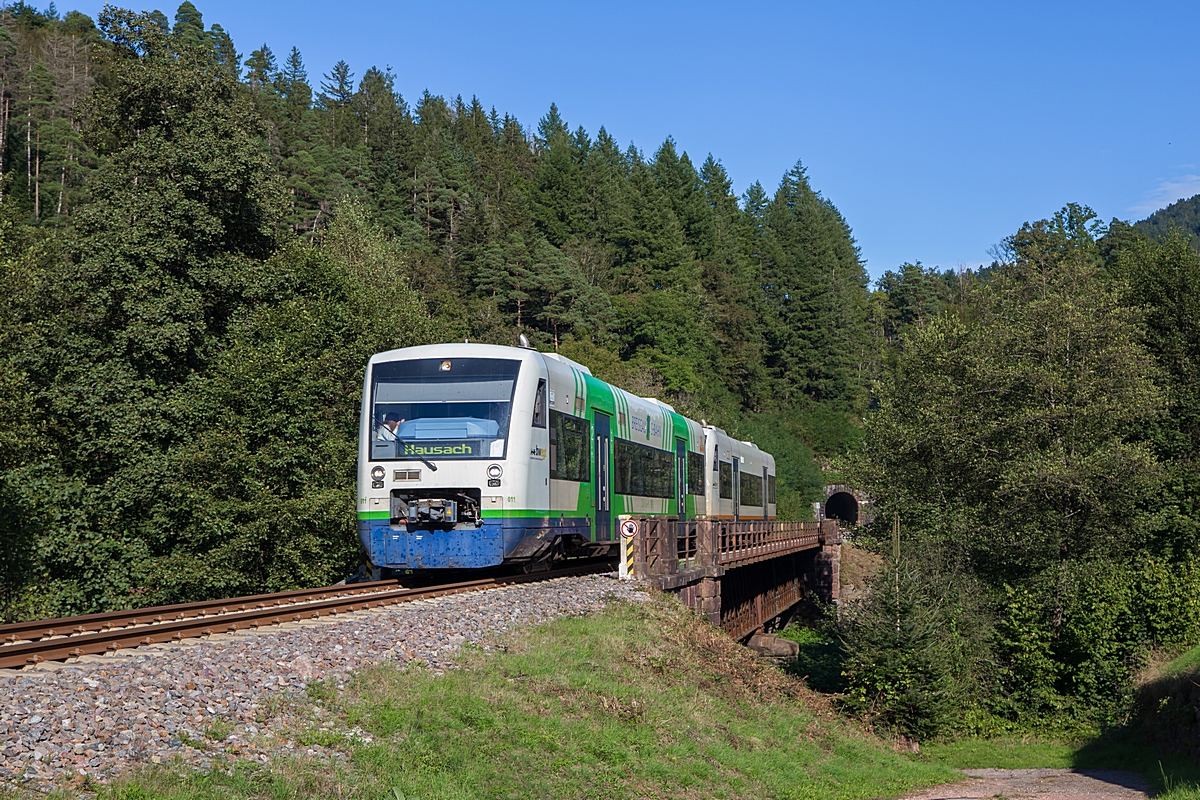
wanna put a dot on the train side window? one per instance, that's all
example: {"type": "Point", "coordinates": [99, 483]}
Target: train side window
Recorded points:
{"type": "Point", "coordinates": [570, 438]}
{"type": "Point", "coordinates": [726, 488]}
{"type": "Point", "coordinates": [539, 405]}
{"type": "Point", "coordinates": [642, 470]}
{"type": "Point", "coordinates": [771, 489]}
{"type": "Point", "coordinates": [695, 476]}
{"type": "Point", "coordinates": [751, 489]}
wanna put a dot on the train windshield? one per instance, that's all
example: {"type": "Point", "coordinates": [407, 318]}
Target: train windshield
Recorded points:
{"type": "Point", "coordinates": [438, 409]}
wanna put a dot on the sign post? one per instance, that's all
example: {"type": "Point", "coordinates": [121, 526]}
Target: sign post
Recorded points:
{"type": "Point", "coordinates": [629, 529]}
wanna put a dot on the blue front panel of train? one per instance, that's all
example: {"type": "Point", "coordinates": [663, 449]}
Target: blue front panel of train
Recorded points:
{"type": "Point", "coordinates": [434, 548]}
{"type": "Point", "coordinates": [461, 548]}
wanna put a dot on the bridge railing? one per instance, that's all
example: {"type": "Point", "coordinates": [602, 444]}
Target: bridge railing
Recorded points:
{"type": "Point", "coordinates": [668, 547]}
{"type": "Point", "coordinates": [687, 547]}
{"type": "Point", "coordinates": [746, 541]}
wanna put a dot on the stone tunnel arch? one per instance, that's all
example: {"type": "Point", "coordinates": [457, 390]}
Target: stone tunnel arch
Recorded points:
{"type": "Point", "coordinates": [849, 507]}
{"type": "Point", "coordinates": [842, 506]}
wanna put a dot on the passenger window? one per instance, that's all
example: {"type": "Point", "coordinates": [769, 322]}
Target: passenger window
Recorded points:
{"type": "Point", "coordinates": [569, 441]}
{"type": "Point", "coordinates": [695, 476]}
{"type": "Point", "coordinates": [539, 405]}
{"type": "Point", "coordinates": [751, 493]}
{"type": "Point", "coordinates": [642, 470]}
{"type": "Point", "coordinates": [726, 480]}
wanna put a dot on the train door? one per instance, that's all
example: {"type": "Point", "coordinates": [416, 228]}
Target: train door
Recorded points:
{"type": "Point", "coordinates": [603, 490]}
{"type": "Point", "coordinates": [764, 493]}
{"type": "Point", "coordinates": [737, 488]}
{"type": "Point", "coordinates": [681, 479]}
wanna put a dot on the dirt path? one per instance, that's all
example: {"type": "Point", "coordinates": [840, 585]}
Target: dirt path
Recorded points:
{"type": "Point", "coordinates": [1040, 784]}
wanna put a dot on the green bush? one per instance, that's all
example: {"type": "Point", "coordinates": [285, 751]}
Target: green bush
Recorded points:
{"type": "Point", "coordinates": [900, 658]}
{"type": "Point", "coordinates": [821, 660]}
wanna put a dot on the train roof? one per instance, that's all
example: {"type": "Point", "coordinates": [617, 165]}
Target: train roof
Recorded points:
{"type": "Point", "coordinates": [564, 360]}
{"type": "Point", "coordinates": [456, 348]}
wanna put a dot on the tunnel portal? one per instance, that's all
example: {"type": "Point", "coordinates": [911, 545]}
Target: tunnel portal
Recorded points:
{"type": "Point", "coordinates": [842, 506]}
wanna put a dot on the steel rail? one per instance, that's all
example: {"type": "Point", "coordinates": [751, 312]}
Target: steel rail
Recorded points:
{"type": "Point", "coordinates": [21, 654]}
{"type": "Point", "coordinates": [88, 623]}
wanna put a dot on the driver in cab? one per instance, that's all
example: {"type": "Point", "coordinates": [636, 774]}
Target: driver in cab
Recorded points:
{"type": "Point", "coordinates": [387, 430]}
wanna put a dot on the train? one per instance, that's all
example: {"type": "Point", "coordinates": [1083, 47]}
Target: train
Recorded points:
{"type": "Point", "coordinates": [477, 455]}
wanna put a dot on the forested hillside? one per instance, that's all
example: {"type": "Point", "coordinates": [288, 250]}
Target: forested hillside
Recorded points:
{"type": "Point", "coordinates": [1182, 214]}
{"type": "Point", "coordinates": [1033, 460]}
{"type": "Point", "coordinates": [200, 252]}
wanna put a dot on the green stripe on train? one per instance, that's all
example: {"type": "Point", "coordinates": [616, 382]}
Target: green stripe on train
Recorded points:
{"type": "Point", "coordinates": [524, 513]}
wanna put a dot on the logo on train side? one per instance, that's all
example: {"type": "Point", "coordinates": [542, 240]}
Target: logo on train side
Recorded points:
{"type": "Point", "coordinates": [647, 426]}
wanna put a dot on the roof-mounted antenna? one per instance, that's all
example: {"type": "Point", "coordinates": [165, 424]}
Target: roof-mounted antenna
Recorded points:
{"type": "Point", "coordinates": [523, 341]}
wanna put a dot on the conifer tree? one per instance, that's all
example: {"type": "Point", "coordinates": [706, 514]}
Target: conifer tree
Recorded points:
{"type": "Point", "coordinates": [226, 55]}
{"type": "Point", "coordinates": [291, 84]}
{"type": "Point", "coordinates": [189, 27]}
{"type": "Point", "coordinates": [261, 69]}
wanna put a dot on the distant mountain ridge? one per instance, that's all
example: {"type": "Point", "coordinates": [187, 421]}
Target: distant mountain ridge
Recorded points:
{"type": "Point", "coordinates": [1184, 214]}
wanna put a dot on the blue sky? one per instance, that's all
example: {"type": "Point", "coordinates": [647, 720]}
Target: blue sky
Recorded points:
{"type": "Point", "coordinates": [936, 128]}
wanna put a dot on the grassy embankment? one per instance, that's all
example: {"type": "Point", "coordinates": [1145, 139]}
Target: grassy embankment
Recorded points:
{"type": "Point", "coordinates": [1172, 777]}
{"type": "Point", "coordinates": [1167, 722]}
{"type": "Point", "coordinates": [1149, 744]}
{"type": "Point", "coordinates": [643, 700]}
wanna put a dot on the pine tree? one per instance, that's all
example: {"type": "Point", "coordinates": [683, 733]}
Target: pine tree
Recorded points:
{"type": "Point", "coordinates": [815, 289]}
{"type": "Point", "coordinates": [557, 186]}
{"type": "Point", "coordinates": [291, 84]}
{"type": "Point", "coordinates": [189, 27]}
{"type": "Point", "coordinates": [380, 112]}
{"type": "Point", "coordinates": [683, 191]}
{"type": "Point", "coordinates": [337, 92]}
{"type": "Point", "coordinates": [226, 54]}
{"type": "Point", "coordinates": [261, 70]}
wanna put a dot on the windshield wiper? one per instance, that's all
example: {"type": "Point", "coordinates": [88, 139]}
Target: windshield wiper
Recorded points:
{"type": "Point", "coordinates": [422, 459]}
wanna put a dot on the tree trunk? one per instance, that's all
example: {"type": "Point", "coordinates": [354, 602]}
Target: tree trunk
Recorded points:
{"type": "Point", "coordinates": [3, 138]}
{"type": "Point", "coordinates": [37, 180]}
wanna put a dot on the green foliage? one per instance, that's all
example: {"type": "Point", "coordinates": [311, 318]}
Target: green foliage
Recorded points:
{"type": "Point", "coordinates": [1038, 429]}
{"type": "Point", "coordinates": [24, 255]}
{"type": "Point", "coordinates": [182, 349]}
{"type": "Point", "coordinates": [1023, 646]}
{"type": "Point", "coordinates": [1016, 434]}
{"type": "Point", "coordinates": [1164, 279]}
{"type": "Point", "coordinates": [821, 661]}
{"type": "Point", "coordinates": [271, 467]}
{"type": "Point", "coordinates": [1181, 217]}
{"type": "Point", "coordinates": [901, 658]}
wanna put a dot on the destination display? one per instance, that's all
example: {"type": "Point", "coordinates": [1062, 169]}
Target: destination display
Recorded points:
{"type": "Point", "coordinates": [441, 449]}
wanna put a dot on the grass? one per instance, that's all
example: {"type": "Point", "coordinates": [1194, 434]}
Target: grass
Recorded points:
{"type": "Point", "coordinates": [1188, 661]}
{"type": "Point", "coordinates": [643, 700]}
{"type": "Point", "coordinates": [819, 663]}
{"type": "Point", "coordinates": [1172, 777]}
{"type": "Point", "coordinates": [218, 730]}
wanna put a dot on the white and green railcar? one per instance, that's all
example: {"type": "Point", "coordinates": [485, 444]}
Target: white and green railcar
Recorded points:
{"type": "Point", "coordinates": [476, 455]}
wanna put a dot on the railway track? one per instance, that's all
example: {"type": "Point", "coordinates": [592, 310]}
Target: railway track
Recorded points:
{"type": "Point", "coordinates": [27, 643]}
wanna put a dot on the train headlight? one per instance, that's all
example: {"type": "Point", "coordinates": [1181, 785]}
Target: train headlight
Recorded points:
{"type": "Point", "coordinates": [377, 473]}
{"type": "Point", "coordinates": [495, 471]}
